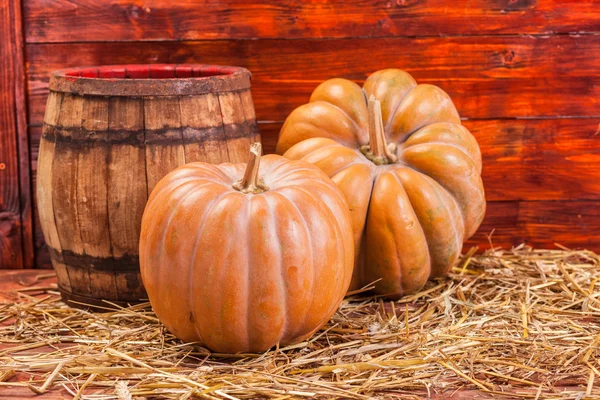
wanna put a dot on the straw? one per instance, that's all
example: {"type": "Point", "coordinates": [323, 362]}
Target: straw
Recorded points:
{"type": "Point", "coordinates": [518, 323]}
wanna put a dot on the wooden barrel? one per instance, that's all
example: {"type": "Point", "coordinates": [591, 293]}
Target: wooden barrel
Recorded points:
{"type": "Point", "coordinates": [110, 133]}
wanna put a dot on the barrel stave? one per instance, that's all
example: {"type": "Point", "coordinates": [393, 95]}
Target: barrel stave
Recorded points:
{"type": "Point", "coordinates": [127, 192]}
{"type": "Point", "coordinates": [45, 205]}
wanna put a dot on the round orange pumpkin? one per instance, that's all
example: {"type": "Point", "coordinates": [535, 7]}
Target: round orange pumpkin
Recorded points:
{"type": "Point", "coordinates": [240, 258]}
{"type": "Point", "coordinates": [410, 171]}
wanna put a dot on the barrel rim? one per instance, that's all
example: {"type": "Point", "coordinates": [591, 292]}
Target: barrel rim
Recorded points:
{"type": "Point", "coordinates": [138, 80]}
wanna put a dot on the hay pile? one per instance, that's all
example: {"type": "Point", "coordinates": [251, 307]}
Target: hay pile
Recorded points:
{"type": "Point", "coordinates": [523, 323]}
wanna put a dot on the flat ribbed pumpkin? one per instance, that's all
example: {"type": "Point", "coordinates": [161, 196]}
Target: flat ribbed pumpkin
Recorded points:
{"type": "Point", "coordinates": [410, 171]}
{"type": "Point", "coordinates": [243, 257]}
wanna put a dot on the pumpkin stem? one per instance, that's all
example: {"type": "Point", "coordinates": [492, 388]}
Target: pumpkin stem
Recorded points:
{"type": "Point", "coordinates": [378, 150]}
{"type": "Point", "coordinates": [250, 182]}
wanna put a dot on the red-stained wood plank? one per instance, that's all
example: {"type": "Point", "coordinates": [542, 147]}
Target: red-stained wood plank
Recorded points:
{"type": "Point", "coordinates": [541, 224]}
{"type": "Point", "coordinates": [42, 257]}
{"type": "Point", "coordinates": [23, 138]}
{"type": "Point", "coordinates": [16, 238]}
{"type": "Point", "coordinates": [557, 159]}
{"type": "Point", "coordinates": [151, 20]}
{"type": "Point", "coordinates": [23, 393]}
{"type": "Point", "coordinates": [487, 77]}
{"type": "Point", "coordinates": [28, 279]}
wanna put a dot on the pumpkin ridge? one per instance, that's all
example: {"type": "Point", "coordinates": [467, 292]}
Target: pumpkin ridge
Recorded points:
{"type": "Point", "coordinates": [358, 128]}
{"type": "Point", "coordinates": [274, 170]}
{"type": "Point", "coordinates": [329, 146]}
{"type": "Point", "coordinates": [434, 111]}
{"type": "Point", "coordinates": [450, 133]}
{"type": "Point", "coordinates": [310, 252]}
{"type": "Point", "coordinates": [220, 281]}
{"type": "Point", "coordinates": [200, 166]}
{"type": "Point", "coordinates": [360, 157]}
{"type": "Point", "coordinates": [436, 186]}
{"type": "Point", "coordinates": [181, 200]}
{"type": "Point", "coordinates": [352, 126]}
{"type": "Point", "coordinates": [391, 172]}
{"type": "Point", "coordinates": [442, 186]}
{"type": "Point", "coordinates": [357, 201]}
{"type": "Point", "coordinates": [338, 229]}
{"type": "Point", "coordinates": [274, 221]}
{"type": "Point", "coordinates": [392, 114]}
{"type": "Point", "coordinates": [461, 149]}
{"type": "Point", "coordinates": [329, 188]}
{"type": "Point", "coordinates": [172, 188]}
{"type": "Point", "coordinates": [451, 192]}
{"type": "Point", "coordinates": [249, 263]}
{"type": "Point", "coordinates": [363, 235]}
{"type": "Point", "coordinates": [207, 211]}
{"type": "Point", "coordinates": [209, 181]}
{"type": "Point", "coordinates": [165, 227]}
{"type": "Point", "coordinates": [292, 205]}
{"type": "Point", "coordinates": [337, 153]}
{"type": "Point", "coordinates": [353, 163]}
{"type": "Point", "coordinates": [392, 80]}
{"type": "Point", "coordinates": [286, 176]}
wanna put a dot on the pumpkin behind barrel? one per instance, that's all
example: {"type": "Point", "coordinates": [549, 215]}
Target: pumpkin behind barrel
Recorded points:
{"type": "Point", "coordinates": [410, 171]}
{"type": "Point", "coordinates": [110, 134]}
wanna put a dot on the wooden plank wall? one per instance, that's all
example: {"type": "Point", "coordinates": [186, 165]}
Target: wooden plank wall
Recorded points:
{"type": "Point", "coordinates": [525, 75]}
{"type": "Point", "coordinates": [16, 230]}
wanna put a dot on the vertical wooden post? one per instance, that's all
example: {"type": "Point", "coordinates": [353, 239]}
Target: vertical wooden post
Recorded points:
{"type": "Point", "coordinates": [16, 237]}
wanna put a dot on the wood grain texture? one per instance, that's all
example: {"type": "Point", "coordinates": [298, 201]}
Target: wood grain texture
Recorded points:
{"type": "Point", "coordinates": [25, 187]}
{"type": "Point", "coordinates": [162, 120]}
{"type": "Point", "coordinates": [487, 77]}
{"type": "Point", "coordinates": [45, 222]}
{"type": "Point", "coordinates": [238, 134]}
{"type": "Point", "coordinates": [128, 191]}
{"type": "Point", "coordinates": [126, 176]}
{"type": "Point", "coordinates": [138, 80]}
{"type": "Point", "coordinates": [18, 279]}
{"type": "Point", "coordinates": [201, 115]}
{"type": "Point", "coordinates": [16, 246]}
{"type": "Point", "coordinates": [89, 20]}
{"type": "Point", "coordinates": [542, 224]}
{"type": "Point", "coordinates": [92, 195]}
{"type": "Point", "coordinates": [63, 189]}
